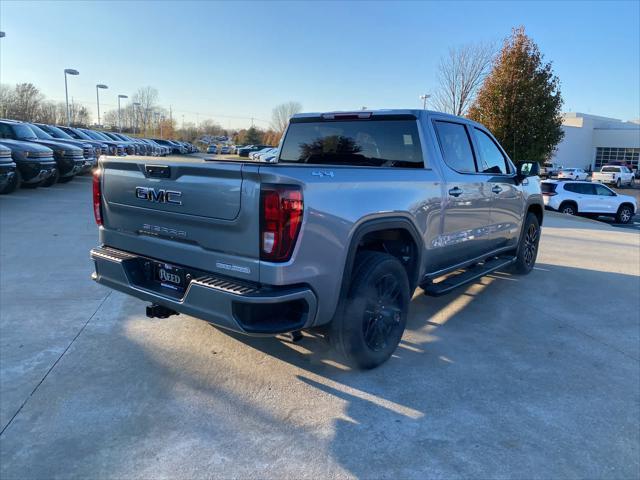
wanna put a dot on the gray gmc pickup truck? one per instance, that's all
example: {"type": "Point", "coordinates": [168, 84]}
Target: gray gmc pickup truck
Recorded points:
{"type": "Point", "coordinates": [358, 210]}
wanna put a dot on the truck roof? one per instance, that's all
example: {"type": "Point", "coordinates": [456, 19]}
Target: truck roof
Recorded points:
{"type": "Point", "coordinates": [375, 113]}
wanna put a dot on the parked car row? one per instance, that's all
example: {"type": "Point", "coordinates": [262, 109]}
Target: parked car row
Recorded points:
{"type": "Point", "coordinates": [35, 154]}
{"type": "Point", "coordinates": [221, 149]}
{"type": "Point", "coordinates": [247, 149]}
{"type": "Point", "coordinates": [265, 155]}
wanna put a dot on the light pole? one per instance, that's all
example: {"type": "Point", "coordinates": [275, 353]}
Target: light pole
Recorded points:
{"type": "Point", "coordinates": [424, 100]}
{"type": "Point", "coordinates": [135, 116]}
{"type": "Point", "coordinates": [119, 116]}
{"type": "Point", "coordinates": [68, 71]}
{"type": "Point", "coordinates": [156, 115]}
{"type": "Point", "coordinates": [98, 87]}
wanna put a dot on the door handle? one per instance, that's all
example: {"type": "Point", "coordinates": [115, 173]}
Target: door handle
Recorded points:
{"type": "Point", "coordinates": [496, 189]}
{"type": "Point", "coordinates": [455, 192]}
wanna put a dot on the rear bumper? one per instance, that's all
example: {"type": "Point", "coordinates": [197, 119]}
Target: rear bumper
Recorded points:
{"type": "Point", "coordinates": [239, 306]}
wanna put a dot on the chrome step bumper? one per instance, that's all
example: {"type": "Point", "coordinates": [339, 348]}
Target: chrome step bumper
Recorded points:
{"type": "Point", "coordinates": [225, 302]}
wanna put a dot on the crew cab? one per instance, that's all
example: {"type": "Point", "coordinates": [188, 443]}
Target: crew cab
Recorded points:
{"type": "Point", "coordinates": [617, 175]}
{"type": "Point", "coordinates": [356, 212]}
{"type": "Point", "coordinates": [588, 199]}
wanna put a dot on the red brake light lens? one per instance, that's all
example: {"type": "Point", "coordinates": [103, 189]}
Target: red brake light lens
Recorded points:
{"type": "Point", "coordinates": [97, 197]}
{"type": "Point", "coordinates": [280, 219]}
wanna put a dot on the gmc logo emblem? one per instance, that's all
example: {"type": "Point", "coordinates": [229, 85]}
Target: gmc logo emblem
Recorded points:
{"type": "Point", "coordinates": [159, 195]}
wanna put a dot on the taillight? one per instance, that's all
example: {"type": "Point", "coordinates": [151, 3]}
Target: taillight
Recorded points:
{"type": "Point", "coordinates": [97, 197]}
{"type": "Point", "coordinates": [549, 194]}
{"type": "Point", "coordinates": [281, 210]}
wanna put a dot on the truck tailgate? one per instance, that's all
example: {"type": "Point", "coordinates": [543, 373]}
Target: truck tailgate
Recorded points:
{"type": "Point", "coordinates": [193, 213]}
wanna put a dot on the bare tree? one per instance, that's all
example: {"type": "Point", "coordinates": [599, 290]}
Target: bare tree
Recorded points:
{"type": "Point", "coordinates": [47, 113]}
{"type": "Point", "coordinates": [7, 100]}
{"type": "Point", "coordinates": [147, 97]}
{"type": "Point", "coordinates": [460, 74]}
{"type": "Point", "coordinates": [282, 113]}
{"type": "Point", "coordinates": [27, 100]}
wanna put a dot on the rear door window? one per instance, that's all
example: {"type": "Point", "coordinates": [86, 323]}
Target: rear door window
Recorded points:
{"type": "Point", "coordinates": [456, 146]}
{"type": "Point", "coordinates": [491, 158]}
{"type": "Point", "coordinates": [371, 142]}
{"type": "Point", "coordinates": [581, 188]}
{"type": "Point", "coordinates": [604, 191]}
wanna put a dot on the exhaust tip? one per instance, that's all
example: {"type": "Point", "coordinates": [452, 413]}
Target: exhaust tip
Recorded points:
{"type": "Point", "coordinates": [159, 311]}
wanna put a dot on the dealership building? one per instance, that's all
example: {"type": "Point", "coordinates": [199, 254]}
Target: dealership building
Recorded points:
{"type": "Point", "coordinates": [591, 141]}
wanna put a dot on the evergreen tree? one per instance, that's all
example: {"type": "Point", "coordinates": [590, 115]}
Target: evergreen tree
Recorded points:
{"type": "Point", "coordinates": [253, 136]}
{"type": "Point", "coordinates": [520, 101]}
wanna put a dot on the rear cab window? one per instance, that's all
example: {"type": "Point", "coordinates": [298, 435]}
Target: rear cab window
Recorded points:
{"type": "Point", "coordinates": [372, 142]}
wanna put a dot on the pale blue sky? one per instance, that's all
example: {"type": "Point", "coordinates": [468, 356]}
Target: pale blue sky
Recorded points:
{"type": "Point", "coordinates": [212, 60]}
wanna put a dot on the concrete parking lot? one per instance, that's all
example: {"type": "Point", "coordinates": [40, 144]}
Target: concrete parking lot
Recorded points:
{"type": "Point", "coordinates": [531, 377]}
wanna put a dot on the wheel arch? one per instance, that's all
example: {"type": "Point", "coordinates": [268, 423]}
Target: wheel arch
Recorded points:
{"type": "Point", "coordinates": [369, 232]}
{"type": "Point", "coordinates": [537, 210]}
{"type": "Point", "coordinates": [633, 208]}
{"type": "Point", "coordinates": [572, 202]}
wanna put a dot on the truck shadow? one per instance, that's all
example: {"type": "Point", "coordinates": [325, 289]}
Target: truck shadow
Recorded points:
{"type": "Point", "coordinates": [457, 393]}
{"type": "Point", "coordinates": [495, 379]}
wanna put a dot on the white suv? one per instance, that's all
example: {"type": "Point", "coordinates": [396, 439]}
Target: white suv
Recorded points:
{"type": "Point", "coordinates": [589, 199]}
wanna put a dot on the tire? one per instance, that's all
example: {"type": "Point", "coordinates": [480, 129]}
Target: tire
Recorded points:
{"type": "Point", "coordinates": [65, 179]}
{"type": "Point", "coordinates": [568, 208]}
{"type": "Point", "coordinates": [625, 214]}
{"type": "Point", "coordinates": [53, 179]}
{"type": "Point", "coordinates": [618, 183]}
{"type": "Point", "coordinates": [528, 246]}
{"type": "Point", "coordinates": [29, 186]}
{"type": "Point", "coordinates": [370, 321]}
{"type": "Point", "coordinates": [15, 183]}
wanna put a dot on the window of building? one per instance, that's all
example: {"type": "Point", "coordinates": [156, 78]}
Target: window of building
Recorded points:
{"type": "Point", "coordinates": [606, 155]}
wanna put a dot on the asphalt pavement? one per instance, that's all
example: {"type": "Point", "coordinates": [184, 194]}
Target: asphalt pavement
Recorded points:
{"type": "Point", "coordinates": [530, 377]}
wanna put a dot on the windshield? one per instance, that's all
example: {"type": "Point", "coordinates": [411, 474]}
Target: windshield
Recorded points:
{"type": "Point", "coordinates": [40, 133]}
{"type": "Point", "coordinates": [23, 132]}
{"type": "Point", "coordinates": [57, 133]}
{"type": "Point", "coordinates": [98, 135]}
{"type": "Point", "coordinates": [80, 134]}
{"type": "Point", "coordinates": [383, 143]}
{"type": "Point", "coordinates": [610, 169]}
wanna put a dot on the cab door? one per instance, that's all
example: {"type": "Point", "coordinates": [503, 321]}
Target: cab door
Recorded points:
{"type": "Point", "coordinates": [466, 212]}
{"type": "Point", "coordinates": [507, 199]}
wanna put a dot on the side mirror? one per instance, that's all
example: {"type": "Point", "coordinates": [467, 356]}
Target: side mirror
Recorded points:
{"type": "Point", "coordinates": [527, 169]}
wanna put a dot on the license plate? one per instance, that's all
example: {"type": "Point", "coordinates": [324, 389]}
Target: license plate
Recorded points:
{"type": "Point", "coordinates": [170, 277]}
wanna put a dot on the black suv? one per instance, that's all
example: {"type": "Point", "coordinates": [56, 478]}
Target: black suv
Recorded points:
{"type": "Point", "coordinates": [88, 152]}
{"type": "Point", "coordinates": [35, 163]}
{"type": "Point", "coordinates": [69, 158]}
{"type": "Point", "coordinates": [100, 148]}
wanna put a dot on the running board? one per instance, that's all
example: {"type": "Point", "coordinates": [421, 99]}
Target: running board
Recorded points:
{"type": "Point", "coordinates": [466, 276]}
